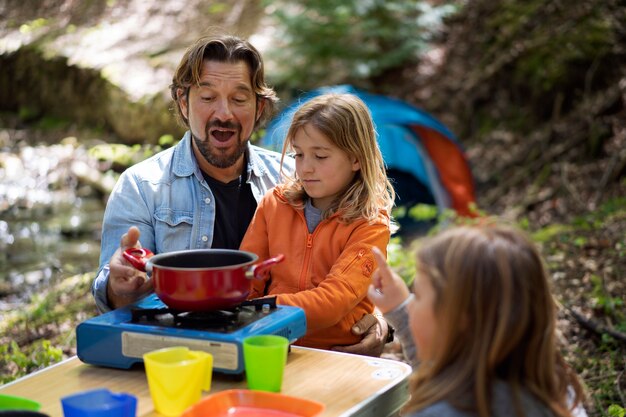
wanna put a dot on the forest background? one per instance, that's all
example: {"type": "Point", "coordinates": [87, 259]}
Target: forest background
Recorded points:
{"type": "Point", "coordinates": [534, 90]}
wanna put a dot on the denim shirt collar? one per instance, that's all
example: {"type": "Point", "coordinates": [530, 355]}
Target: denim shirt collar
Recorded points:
{"type": "Point", "coordinates": [184, 161]}
{"type": "Point", "coordinates": [256, 166]}
{"type": "Point", "coordinates": [185, 164]}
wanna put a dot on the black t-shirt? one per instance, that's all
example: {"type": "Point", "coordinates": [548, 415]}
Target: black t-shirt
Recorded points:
{"type": "Point", "coordinates": [234, 208]}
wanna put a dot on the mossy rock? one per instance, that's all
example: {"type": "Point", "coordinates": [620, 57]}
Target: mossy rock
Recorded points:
{"type": "Point", "coordinates": [39, 88]}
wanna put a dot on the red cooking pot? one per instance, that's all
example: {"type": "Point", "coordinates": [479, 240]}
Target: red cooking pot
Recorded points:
{"type": "Point", "coordinates": [201, 279]}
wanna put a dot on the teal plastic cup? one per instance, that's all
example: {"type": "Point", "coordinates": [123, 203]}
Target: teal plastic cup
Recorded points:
{"type": "Point", "coordinates": [265, 357]}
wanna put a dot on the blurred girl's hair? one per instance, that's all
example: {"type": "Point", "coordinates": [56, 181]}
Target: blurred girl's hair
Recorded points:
{"type": "Point", "coordinates": [497, 321]}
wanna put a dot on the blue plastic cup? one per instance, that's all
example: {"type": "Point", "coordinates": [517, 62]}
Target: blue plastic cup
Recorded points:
{"type": "Point", "coordinates": [99, 403]}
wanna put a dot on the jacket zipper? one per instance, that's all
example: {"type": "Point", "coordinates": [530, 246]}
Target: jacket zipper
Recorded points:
{"type": "Point", "coordinates": [358, 256]}
{"type": "Point", "coordinates": [305, 264]}
{"type": "Point", "coordinates": [307, 254]}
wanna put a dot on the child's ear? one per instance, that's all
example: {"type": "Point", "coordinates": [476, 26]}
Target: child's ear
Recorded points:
{"type": "Point", "coordinates": [356, 165]}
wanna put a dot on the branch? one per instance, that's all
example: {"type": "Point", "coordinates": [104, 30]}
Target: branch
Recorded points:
{"type": "Point", "coordinates": [594, 326]}
{"type": "Point", "coordinates": [615, 166]}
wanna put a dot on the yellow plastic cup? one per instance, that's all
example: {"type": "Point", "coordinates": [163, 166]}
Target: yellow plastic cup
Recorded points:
{"type": "Point", "coordinates": [265, 357]}
{"type": "Point", "coordinates": [176, 377]}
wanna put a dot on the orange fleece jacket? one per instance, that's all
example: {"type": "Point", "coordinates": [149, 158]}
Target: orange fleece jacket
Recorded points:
{"type": "Point", "coordinates": [326, 273]}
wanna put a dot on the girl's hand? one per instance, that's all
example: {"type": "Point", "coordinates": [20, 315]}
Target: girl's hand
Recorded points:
{"type": "Point", "coordinates": [387, 290]}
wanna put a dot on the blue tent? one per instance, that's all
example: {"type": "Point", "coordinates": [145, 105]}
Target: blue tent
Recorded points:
{"type": "Point", "coordinates": [424, 159]}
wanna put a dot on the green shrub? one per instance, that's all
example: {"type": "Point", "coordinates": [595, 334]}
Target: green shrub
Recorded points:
{"type": "Point", "coordinates": [337, 41]}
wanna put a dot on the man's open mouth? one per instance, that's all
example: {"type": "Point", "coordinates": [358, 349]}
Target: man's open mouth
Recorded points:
{"type": "Point", "coordinates": [222, 135]}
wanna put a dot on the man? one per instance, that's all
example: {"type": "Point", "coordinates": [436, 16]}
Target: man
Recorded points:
{"type": "Point", "coordinates": [203, 192]}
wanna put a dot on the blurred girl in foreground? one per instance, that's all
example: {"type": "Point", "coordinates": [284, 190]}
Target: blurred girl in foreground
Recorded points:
{"type": "Point", "coordinates": [481, 327]}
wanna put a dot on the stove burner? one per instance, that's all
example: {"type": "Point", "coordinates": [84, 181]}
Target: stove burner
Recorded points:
{"type": "Point", "coordinates": [223, 321]}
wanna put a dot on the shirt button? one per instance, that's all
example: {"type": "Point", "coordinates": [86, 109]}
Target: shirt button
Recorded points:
{"type": "Point", "coordinates": [205, 238]}
{"type": "Point", "coordinates": [207, 200]}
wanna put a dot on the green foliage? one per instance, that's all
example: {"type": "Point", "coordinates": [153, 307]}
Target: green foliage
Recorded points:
{"type": "Point", "coordinates": [167, 141]}
{"type": "Point", "coordinates": [39, 355]}
{"type": "Point", "coordinates": [615, 410]}
{"type": "Point", "coordinates": [27, 113]}
{"type": "Point", "coordinates": [613, 208]}
{"type": "Point", "coordinates": [548, 51]}
{"type": "Point", "coordinates": [111, 152]}
{"type": "Point", "coordinates": [589, 40]}
{"type": "Point", "coordinates": [216, 7]}
{"type": "Point", "coordinates": [33, 25]}
{"type": "Point", "coordinates": [124, 155]}
{"type": "Point", "coordinates": [603, 300]}
{"type": "Point", "coordinates": [401, 260]}
{"type": "Point", "coordinates": [524, 223]}
{"type": "Point", "coordinates": [609, 364]}
{"type": "Point", "coordinates": [423, 212]}
{"type": "Point", "coordinates": [53, 311]}
{"type": "Point", "coordinates": [257, 135]}
{"type": "Point", "coordinates": [550, 232]}
{"type": "Point", "coordinates": [52, 123]}
{"type": "Point", "coordinates": [419, 212]}
{"type": "Point", "coordinates": [335, 41]}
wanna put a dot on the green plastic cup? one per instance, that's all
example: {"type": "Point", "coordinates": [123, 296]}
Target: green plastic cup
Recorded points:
{"type": "Point", "coordinates": [265, 357]}
{"type": "Point", "coordinates": [12, 402]}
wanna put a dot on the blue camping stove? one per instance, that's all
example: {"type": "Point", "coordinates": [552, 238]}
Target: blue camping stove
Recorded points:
{"type": "Point", "coordinates": [119, 338]}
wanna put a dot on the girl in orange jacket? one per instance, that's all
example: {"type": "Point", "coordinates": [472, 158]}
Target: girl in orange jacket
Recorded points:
{"type": "Point", "coordinates": [326, 219]}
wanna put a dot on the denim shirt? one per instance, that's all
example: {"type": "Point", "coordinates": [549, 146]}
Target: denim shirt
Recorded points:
{"type": "Point", "coordinates": [167, 198]}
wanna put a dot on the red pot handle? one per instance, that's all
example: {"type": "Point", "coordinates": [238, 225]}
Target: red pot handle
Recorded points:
{"type": "Point", "coordinates": [262, 270]}
{"type": "Point", "coordinates": [138, 257]}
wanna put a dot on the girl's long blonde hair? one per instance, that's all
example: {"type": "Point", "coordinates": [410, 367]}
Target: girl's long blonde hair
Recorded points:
{"type": "Point", "coordinates": [346, 121]}
{"type": "Point", "coordinates": [497, 321]}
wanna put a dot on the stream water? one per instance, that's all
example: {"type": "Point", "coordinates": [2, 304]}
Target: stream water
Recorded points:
{"type": "Point", "coordinates": [49, 222]}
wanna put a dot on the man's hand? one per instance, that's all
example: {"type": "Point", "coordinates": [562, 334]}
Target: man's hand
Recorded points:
{"type": "Point", "coordinates": [126, 284]}
{"type": "Point", "coordinates": [374, 331]}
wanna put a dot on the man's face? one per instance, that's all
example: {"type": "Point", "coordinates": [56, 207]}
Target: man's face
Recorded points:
{"type": "Point", "coordinates": [221, 112]}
